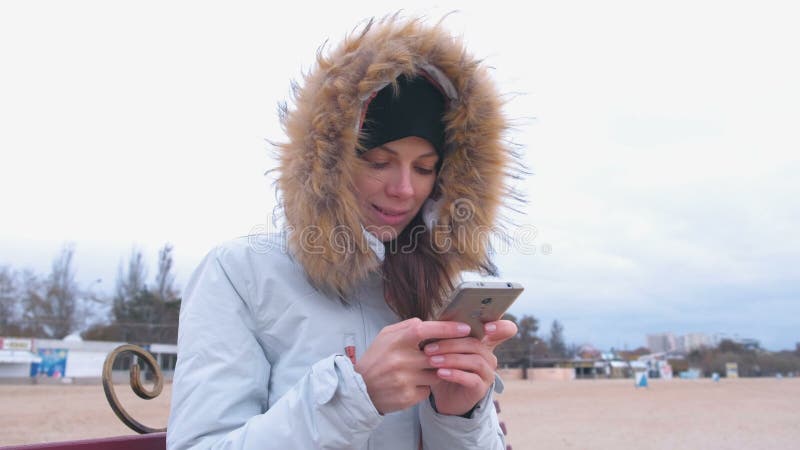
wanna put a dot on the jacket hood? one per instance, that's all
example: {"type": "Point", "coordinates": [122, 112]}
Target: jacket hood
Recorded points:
{"type": "Point", "coordinates": [318, 160]}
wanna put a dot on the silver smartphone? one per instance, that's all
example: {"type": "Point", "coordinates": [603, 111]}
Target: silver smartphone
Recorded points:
{"type": "Point", "coordinates": [478, 302]}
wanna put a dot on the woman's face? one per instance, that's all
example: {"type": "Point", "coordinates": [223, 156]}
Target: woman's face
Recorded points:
{"type": "Point", "coordinates": [399, 176]}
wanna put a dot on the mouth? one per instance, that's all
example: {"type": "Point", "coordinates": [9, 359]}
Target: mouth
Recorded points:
{"type": "Point", "coordinates": [390, 216]}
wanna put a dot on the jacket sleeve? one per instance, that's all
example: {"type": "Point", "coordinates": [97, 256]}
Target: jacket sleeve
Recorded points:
{"type": "Point", "coordinates": [220, 388]}
{"type": "Point", "coordinates": [481, 431]}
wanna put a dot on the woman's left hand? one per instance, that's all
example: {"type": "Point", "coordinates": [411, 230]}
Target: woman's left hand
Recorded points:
{"type": "Point", "coordinates": [466, 367]}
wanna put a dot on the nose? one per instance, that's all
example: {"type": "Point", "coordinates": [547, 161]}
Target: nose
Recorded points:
{"type": "Point", "coordinates": [400, 186]}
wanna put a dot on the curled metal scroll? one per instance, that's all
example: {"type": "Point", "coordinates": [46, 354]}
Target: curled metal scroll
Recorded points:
{"type": "Point", "coordinates": [136, 385]}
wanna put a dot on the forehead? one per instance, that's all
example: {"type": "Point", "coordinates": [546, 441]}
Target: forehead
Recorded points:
{"type": "Point", "coordinates": [410, 147]}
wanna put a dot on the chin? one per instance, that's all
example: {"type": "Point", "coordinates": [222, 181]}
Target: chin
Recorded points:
{"type": "Point", "coordinates": [384, 233]}
{"type": "Point", "coordinates": [387, 235]}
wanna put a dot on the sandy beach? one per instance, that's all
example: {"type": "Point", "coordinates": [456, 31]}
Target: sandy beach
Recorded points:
{"type": "Point", "coordinates": [761, 413]}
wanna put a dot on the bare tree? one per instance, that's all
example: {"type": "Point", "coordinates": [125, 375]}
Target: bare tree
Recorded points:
{"type": "Point", "coordinates": [132, 281]}
{"type": "Point", "coordinates": [528, 326]}
{"type": "Point", "coordinates": [557, 345]}
{"type": "Point", "coordinates": [33, 306]}
{"type": "Point", "coordinates": [521, 348]}
{"type": "Point", "coordinates": [165, 278]}
{"type": "Point", "coordinates": [93, 308]}
{"type": "Point", "coordinates": [140, 314]}
{"type": "Point", "coordinates": [36, 312]}
{"type": "Point", "coordinates": [62, 293]}
{"type": "Point", "coordinates": [572, 350]}
{"type": "Point", "coordinates": [131, 313]}
{"type": "Point", "coordinates": [9, 302]}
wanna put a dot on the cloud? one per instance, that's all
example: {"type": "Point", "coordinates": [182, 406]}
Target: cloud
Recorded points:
{"type": "Point", "coordinates": [662, 141]}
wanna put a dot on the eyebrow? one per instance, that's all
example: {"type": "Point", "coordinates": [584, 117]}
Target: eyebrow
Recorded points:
{"type": "Point", "coordinates": [394, 152]}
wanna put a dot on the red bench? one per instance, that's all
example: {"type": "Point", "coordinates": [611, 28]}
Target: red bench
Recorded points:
{"type": "Point", "coordinates": [152, 441]}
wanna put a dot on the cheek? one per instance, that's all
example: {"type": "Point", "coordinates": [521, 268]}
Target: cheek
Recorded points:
{"type": "Point", "coordinates": [425, 187]}
{"type": "Point", "coordinates": [366, 186]}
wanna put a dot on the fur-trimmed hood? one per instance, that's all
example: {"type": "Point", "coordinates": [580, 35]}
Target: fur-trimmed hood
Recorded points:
{"type": "Point", "coordinates": [318, 161]}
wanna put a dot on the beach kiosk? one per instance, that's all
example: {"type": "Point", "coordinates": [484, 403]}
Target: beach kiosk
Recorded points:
{"type": "Point", "coordinates": [640, 370]}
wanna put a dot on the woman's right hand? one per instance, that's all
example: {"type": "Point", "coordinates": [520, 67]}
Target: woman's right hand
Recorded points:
{"type": "Point", "coordinates": [397, 373]}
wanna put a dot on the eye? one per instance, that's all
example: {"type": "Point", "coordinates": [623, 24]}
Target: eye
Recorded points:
{"type": "Point", "coordinates": [378, 164]}
{"type": "Point", "coordinates": [424, 171]}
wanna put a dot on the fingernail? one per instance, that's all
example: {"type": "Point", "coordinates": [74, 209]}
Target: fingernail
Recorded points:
{"type": "Point", "coordinates": [437, 359]}
{"type": "Point", "coordinates": [490, 327]}
{"type": "Point", "coordinates": [431, 348]}
{"type": "Point", "coordinates": [445, 372]}
{"type": "Point", "coordinates": [463, 328]}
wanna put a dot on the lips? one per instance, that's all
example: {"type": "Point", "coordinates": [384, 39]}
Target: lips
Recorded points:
{"type": "Point", "coordinates": [390, 216]}
{"type": "Point", "coordinates": [390, 212]}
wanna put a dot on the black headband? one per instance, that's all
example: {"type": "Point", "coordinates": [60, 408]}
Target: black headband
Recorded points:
{"type": "Point", "coordinates": [416, 110]}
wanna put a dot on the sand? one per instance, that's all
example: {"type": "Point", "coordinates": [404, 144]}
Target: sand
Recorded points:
{"type": "Point", "coordinates": [761, 413]}
{"type": "Point", "coordinates": [582, 414]}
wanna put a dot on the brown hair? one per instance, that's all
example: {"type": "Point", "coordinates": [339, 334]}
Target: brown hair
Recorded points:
{"type": "Point", "coordinates": [416, 277]}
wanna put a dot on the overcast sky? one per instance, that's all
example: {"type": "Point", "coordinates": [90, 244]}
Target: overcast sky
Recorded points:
{"type": "Point", "coordinates": [662, 138]}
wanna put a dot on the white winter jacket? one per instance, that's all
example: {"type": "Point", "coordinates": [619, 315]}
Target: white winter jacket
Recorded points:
{"type": "Point", "coordinates": [262, 364]}
{"type": "Point", "coordinates": [263, 333]}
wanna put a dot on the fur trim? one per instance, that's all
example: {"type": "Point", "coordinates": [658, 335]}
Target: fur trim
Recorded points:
{"type": "Point", "coordinates": [317, 162]}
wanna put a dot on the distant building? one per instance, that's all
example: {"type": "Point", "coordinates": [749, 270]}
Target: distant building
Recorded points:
{"type": "Point", "coordinates": [662, 342]}
{"type": "Point", "coordinates": [16, 357]}
{"type": "Point", "coordinates": [693, 341]}
{"type": "Point", "coordinates": [72, 359]}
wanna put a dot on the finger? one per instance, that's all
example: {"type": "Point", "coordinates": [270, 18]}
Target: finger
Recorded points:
{"type": "Point", "coordinates": [434, 329]}
{"type": "Point", "coordinates": [469, 380]}
{"type": "Point", "coordinates": [476, 364]}
{"type": "Point", "coordinates": [402, 360]}
{"type": "Point", "coordinates": [417, 370]}
{"type": "Point", "coordinates": [467, 345]}
{"type": "Point", "coordinates": [498, 332]}
{"type": "Point", "coordinates": [458, 345]}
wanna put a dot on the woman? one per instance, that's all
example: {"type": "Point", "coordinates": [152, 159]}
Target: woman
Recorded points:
{"type": "Point", "coordinates": [391, 177]}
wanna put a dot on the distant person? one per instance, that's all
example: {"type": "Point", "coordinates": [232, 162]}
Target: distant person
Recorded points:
{"type": "Point", "coordinates": [393, 171]}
